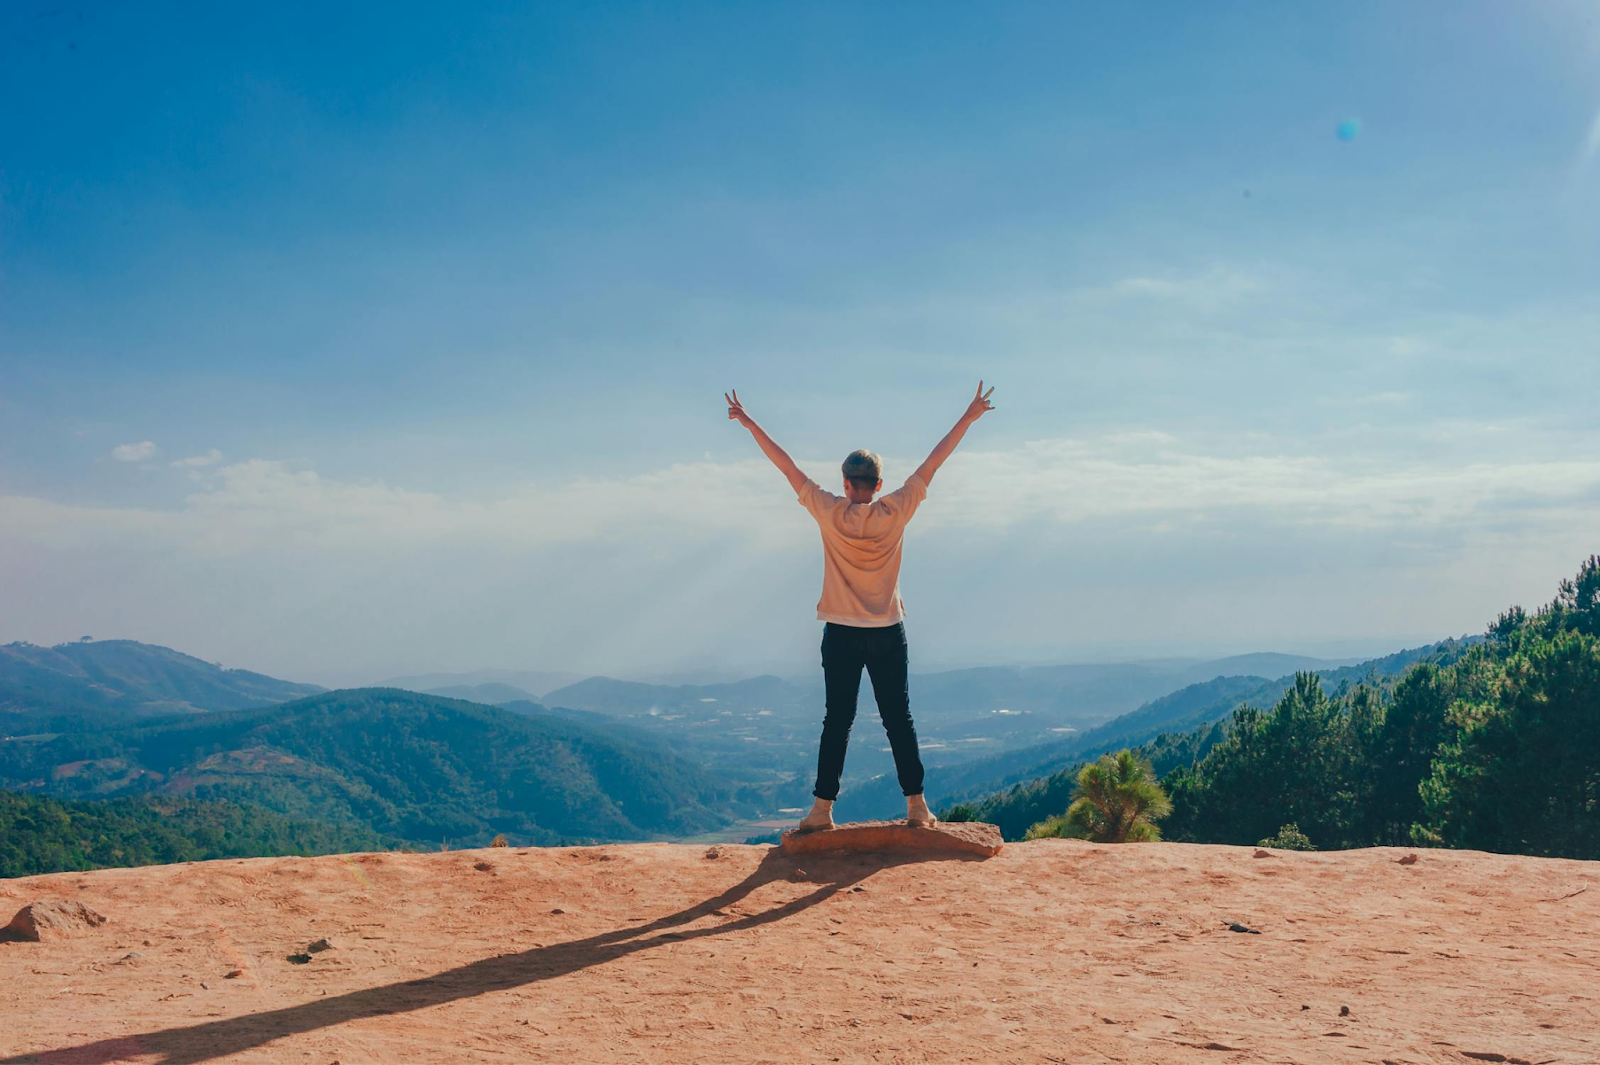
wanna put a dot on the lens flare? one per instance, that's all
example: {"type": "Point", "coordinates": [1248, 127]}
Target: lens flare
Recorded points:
{"type": "Point", "coordinates": [1349, 129]}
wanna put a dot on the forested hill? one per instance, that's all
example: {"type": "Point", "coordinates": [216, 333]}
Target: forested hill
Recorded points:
{"type": "Point", "coordinates": [397, 763]}
{"type": "Point", "coordinates": [1171, 731]}
{"type": "Point", "coordinates": [125, 678]}
{"type": "Point", "coordinates": [1201, 704]}
{"type": "Point", "coordinates": [1491, 744]}
{"type": "Point", "coordinates": [43, 835]}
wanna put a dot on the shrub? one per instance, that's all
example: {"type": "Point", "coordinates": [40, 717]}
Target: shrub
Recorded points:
{"type": "Point", "coordinates": [1289, 838]}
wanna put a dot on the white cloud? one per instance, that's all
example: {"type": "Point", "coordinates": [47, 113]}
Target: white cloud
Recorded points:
{"type": "Point", "coordinates": [1146, 475]}
{"type": "Point", "coordinates": [1408, 346]}
{"type": "Point", "coordinates": [717, 558]}
{"type": "Point", "coordinates": [144, 449]}
{"type": "Point", "coordinates": [1069, 481]}
{"type": "Point", "coordinates": [1209, 289]}
{"type": "Point", "coordinates": [196, 461]}
{"type": "Point", "coordinates": [265, 501]}
{"type": "Point", "coordinates": [1387, 398]}
{"type": "Point", "coordinates": [1140, 436]}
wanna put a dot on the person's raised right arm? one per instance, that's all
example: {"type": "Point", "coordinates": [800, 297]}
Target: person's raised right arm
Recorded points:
{"type": "Point", "coordinates": [780, 458]}
{"type": "Point", "coordinates": [979, 406]}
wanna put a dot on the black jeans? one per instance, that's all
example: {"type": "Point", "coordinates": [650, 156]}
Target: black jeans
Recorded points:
{"type": "Point", "coordinates": [845, 650]}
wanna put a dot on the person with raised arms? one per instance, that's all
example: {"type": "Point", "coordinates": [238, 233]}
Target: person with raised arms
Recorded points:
{"type": "Point", "coordinates": [862, 613]}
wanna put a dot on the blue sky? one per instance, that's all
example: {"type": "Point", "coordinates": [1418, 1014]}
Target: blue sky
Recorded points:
{"type": "Point", "coordinates": [388, 340]}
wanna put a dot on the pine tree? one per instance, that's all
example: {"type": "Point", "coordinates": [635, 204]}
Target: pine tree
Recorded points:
{"type": "Point", "coordinates": [1117, 800]}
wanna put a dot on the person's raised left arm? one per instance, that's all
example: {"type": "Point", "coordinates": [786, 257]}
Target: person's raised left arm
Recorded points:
{"type": "Point", "coordinates": [979, 406]}
{"type": "Point", "coordinates": [780, 458]}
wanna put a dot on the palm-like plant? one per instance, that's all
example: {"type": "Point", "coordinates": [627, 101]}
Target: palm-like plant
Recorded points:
{"type": "Point", "coordinates": [1117, 800]}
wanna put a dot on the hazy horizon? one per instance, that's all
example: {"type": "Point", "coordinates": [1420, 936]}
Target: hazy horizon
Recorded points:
{"type": "Point", "coordinates": [691, 672]}
{"type": "Point", "coordinates": [346, 344]}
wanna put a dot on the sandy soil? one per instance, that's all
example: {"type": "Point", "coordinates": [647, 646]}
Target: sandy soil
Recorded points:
{"type": "Point", "coordinates": [1054, 951]}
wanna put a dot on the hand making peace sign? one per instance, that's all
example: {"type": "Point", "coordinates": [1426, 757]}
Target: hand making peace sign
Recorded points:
{"type": "Point", "coordinates": [980, 404]}
{"type": "Point", "coordinates": [736, 409]}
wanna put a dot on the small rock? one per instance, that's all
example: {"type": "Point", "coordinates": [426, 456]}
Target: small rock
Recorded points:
{"type": "Point", "coordinates": [49, 920]}
{"type": "Point", "coordinates": [1237, 927]}
{"type": "Point", "coordinates": [858, 887]}
{"type": "Point", "coordinates": [1262, 853]}
{"type": "Point", "coordinates": [557, 910]}
{"type": "Point", "coordinates": [713, 852]}
{"type": "Point", "coordinates": [204, 986]}
{"type": "Point", "coordinates": [234, 974]}
{"type": "Point", "coordinates": [299, 959]}
{"type": "Point", "coordinates": [319, 946]}
{"type": "Point", "coordinates": [483, 867]}
{"type": "Point", "coordinates": [1305, 1007]}
{"type": "Point", "coordinates": [1410, 859]}
{"type": "Point", "coordinates": [1344, 1011]}
{"type": "Point", "coordinates": [132, 955]}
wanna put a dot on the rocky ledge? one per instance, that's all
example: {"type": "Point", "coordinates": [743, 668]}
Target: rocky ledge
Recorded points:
{"type": "Point", "coordinates": [945, 837]}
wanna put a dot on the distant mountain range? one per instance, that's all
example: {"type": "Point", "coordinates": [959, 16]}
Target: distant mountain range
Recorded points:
{"type": "Point", "coordinates": [764, 729]}
{"type": "Point", "coordinates": [758, 733]}
{"type": "Point", "coordinates": [594, 758]}
{"type": "Point", "coordinates": [1181, 711]}
{"type": "Point", "coordinates": [491, 693]}
{"type": "Point", "coordinates": [1071, 695]}
{"type": "Point", "coordinates": [124, 678]}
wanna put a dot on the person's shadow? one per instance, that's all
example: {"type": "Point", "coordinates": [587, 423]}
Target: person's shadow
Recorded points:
{"type": "Point", "coordinates": [214, 1039]}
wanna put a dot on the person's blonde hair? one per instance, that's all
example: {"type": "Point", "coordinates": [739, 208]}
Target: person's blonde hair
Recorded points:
{"type": "Point", "coordinates": [862, 468]}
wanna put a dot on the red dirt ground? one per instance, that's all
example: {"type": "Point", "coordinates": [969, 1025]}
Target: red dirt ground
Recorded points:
{"type": "Point", "coordinates": [1053, 951]}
